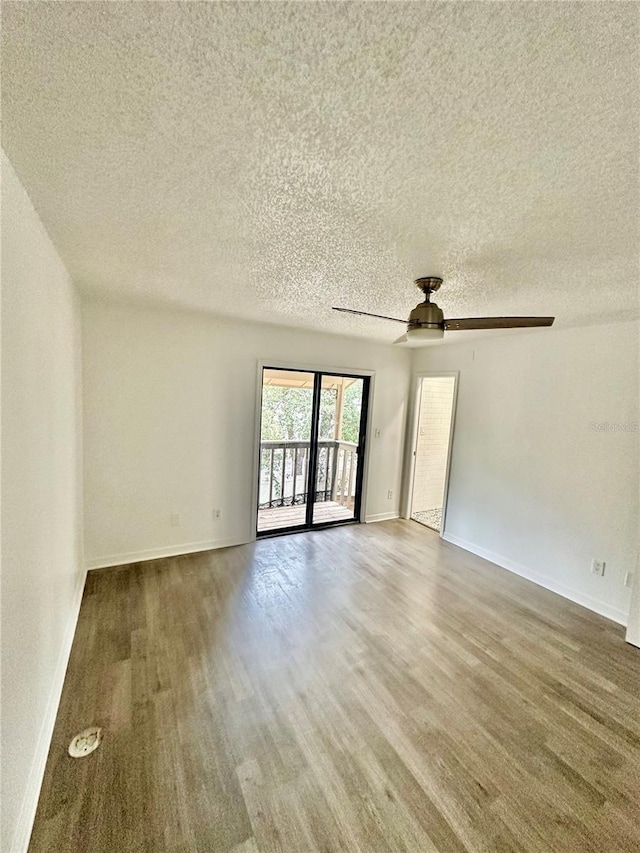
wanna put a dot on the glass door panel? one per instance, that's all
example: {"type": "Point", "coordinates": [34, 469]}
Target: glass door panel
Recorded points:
{"type": "Point", "coordinates": [340, 441]}
{"type": "Point", "coordinates": [285, 448]}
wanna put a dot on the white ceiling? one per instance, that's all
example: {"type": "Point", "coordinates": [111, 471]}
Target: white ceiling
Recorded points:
{"type": "Point", "coordinates": [272, 160]}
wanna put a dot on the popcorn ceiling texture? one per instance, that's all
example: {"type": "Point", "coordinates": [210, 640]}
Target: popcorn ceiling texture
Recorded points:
{"type": "Point", "coordinates": [271, 160]}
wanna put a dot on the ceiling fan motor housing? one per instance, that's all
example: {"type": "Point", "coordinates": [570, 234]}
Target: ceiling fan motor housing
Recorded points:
{"type": "Point", "coordinates": [426, 314]}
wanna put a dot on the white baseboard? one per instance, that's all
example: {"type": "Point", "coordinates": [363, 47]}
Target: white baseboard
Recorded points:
{"type": "Point", "coordinates": [552, 585]}
{"type": "Point", "coordinates": [381, 516]}
{"type": "Point", "coordinates": [160, 553]}
{"type": "Point", "coordinates": [27, 814]}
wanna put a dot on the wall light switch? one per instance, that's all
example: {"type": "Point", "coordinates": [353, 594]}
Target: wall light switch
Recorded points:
{"type": "Point", "coordinates": [628, 579]}
{"type": "Point", "coordinates": [376, 433]}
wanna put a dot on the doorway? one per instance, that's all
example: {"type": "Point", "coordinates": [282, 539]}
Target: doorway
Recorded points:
{"type": "Point", "coordinates": [436, 399]}
{"type": "Point", "coordinates": [312, 442]}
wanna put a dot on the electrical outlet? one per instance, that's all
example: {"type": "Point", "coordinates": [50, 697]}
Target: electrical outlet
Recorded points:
{"type": "Point", "coordinates": [175, 519]}
{"type": "Point", "coordinates": [628, 579]}
{"type": "Point", "coordinates": [389, 494]}
{"type": "Point", "coordinates": [217, 513]}
{"type": "Point", "coordinates": [597, 567]}
{"type": "Point", "coordinates": [376, 433]}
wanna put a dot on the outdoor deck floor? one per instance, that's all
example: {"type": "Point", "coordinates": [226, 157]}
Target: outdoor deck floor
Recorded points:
{"type": "Point", "coordinates": [290, 516]}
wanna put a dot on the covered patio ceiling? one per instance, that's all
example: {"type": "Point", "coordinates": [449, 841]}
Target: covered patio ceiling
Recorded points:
{"type": "Point", "coordinates": [303, 379]}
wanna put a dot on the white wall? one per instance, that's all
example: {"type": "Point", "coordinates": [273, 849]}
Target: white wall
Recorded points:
{"type": "Point", "coordinates": [432, 444]}
{"type": "Point", "coordinates": [42, 575]}
{"type": "Point", "coordinates": [633, 625]}
{"type": "Point", "coordinates": [535, 486]}
{"type": "Point", "coordinates": [169, 411]}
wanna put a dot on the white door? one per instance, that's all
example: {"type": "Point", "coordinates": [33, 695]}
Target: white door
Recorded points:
{"type": "Point", "coordinates": [434, 426]}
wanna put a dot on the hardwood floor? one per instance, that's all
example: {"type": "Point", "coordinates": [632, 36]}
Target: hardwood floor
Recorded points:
{"type": "Point", "coordinates": [364, 688]}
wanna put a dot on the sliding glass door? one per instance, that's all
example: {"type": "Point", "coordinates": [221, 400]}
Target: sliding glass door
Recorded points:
{"type": "Point", "coordinates": [285, 448]}
{"type": "Point", "coordinates": [338, 448]}
{"type": "Point", "coordinates": [312, 432]}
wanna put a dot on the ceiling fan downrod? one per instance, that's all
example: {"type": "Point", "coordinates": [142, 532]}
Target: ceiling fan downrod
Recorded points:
{"type": "Point", "coordinates": [428, 285]}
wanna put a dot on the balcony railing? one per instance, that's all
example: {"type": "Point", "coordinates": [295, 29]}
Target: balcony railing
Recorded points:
{"type": "Point", "coordinates": [284, 473]}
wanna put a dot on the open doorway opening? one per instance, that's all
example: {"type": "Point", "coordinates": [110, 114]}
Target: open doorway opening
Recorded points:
{"type": "Point", "coordinates": [434, 428]}
{"type": "Point", "coordinates": [312, 439]}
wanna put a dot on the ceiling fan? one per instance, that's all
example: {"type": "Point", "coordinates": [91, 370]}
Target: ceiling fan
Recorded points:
{"type": "Point", "coordinates": [426, 322]}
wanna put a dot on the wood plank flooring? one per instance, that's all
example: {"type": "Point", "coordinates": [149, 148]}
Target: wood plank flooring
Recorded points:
{"type": "Point", "coordinates": [289, 516]}
{"type": "Point", "coordinates": [364, 688]}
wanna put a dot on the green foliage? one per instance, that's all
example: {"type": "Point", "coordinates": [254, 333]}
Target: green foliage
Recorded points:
{"type": "Point", "coordinates": [327, 414]}
{"type": "Point", "coordinates": [351, 412]}
{"type": "Point", "coordinates": [286, 413]}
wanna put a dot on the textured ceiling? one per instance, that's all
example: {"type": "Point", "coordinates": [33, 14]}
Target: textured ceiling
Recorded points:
{"type": "Point", "coordinates": [271, 160]}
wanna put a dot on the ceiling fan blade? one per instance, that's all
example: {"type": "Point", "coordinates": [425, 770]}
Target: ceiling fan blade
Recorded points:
{"type": "Point", "coordinates": [496, 323]}
{"type": "Point", "coordinates": [367, 314]}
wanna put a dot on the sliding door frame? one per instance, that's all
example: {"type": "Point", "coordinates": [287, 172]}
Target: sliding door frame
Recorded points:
{"type": "Point", "coordinates": [312, 472]}
{"type": "Point", "coordinates": [363, 467]}
{"type": "Point", "coordinates": [362, 449]}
